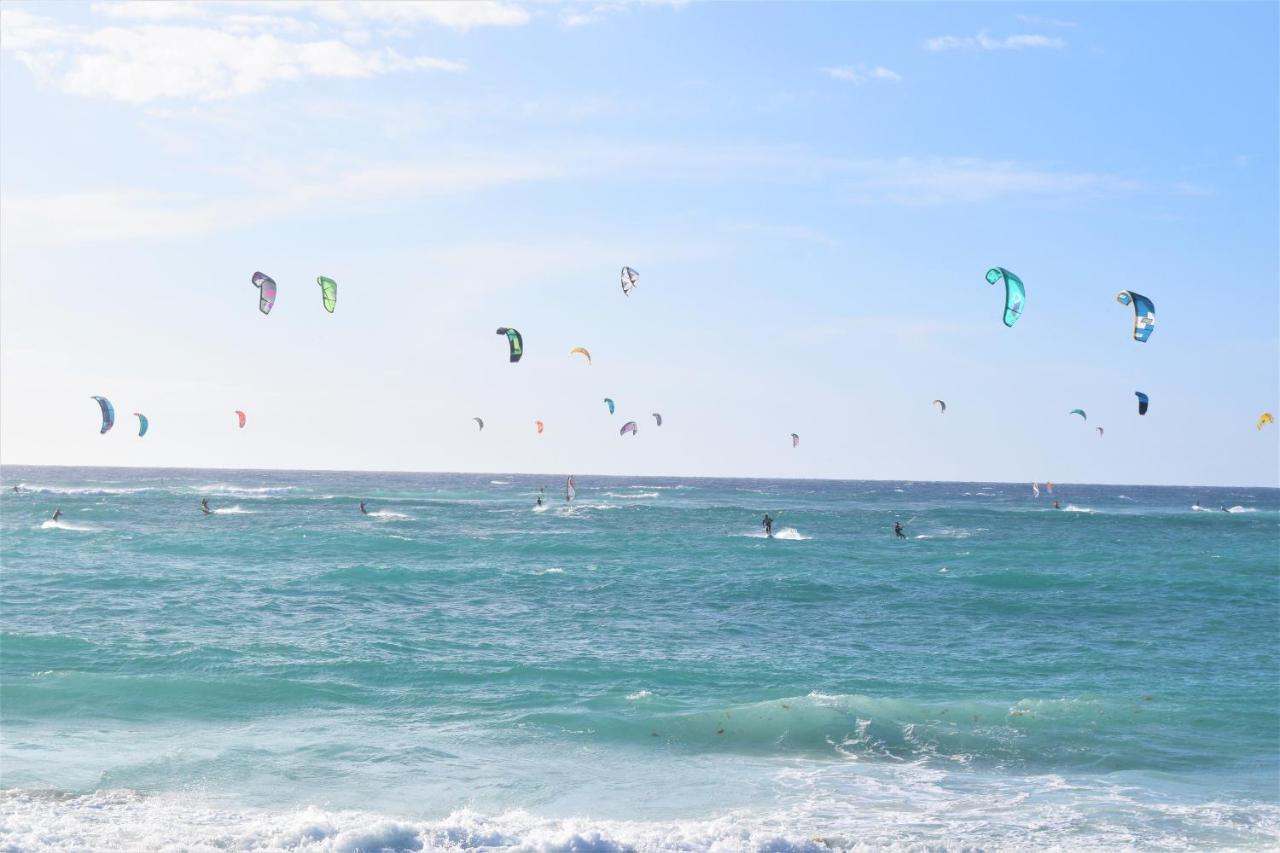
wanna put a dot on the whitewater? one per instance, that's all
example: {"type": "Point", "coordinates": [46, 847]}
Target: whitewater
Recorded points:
{"type": "Point", "coordinates": [640, 670]}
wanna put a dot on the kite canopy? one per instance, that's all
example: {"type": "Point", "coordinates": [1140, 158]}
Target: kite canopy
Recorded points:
{"type": "Point", "coordinates": [1100, 433]}
{"type": "Point", "coordinates": [1079, 412]}
{"type": "Point", "coordinates": [142, 424]}
{"type": "Point", "coordinates": [267, 291]}
{"type": "Point", "coordinates": [539, 423]}
{"type": "Point", "coordinates": [630, 278]}
{"type": "Point", "coordinates": [583, 351]}
{"type": "Point", "coordinates": [609, 402]}
{"type": "Point", "coordinates": [943, 411]}
{"type": "Point", "coordinates": [628, 427]}
{"type": "Point", "coordinates": [329, 291]}
{"type": "Point", "coordinates": [795, 440]}
{"type": "Point", "coordinates": [1264, 419]}
{"type": "Point", "coordinates": [108, 414]}
{"type": "Point", "coordinates": [1144, 314]}
{"type": "Point", "coordinates": [657, 417]}
{"type": "Point", "coordinates": [1143, 402]}
{"type": "Point", "coordinates": [514, 342]}
{"type": "Point", "coordinates": [240, 415]}
{"type": "Point", "coordinates": [1015, 294]}
{"type": "Point", "coordinates": [479, 423]}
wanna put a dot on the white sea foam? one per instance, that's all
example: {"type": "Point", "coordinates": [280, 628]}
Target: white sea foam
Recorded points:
{"type": "Point", "coordinates": [233, 510]}
{"type": "Point", "coordinates": [638, 695]}
{"type": "Point", "coordinates": [84, 490]}
{"type": "Point", "coordinates": [1241, 509]}
{"type": "Point", "coordinates": [631, 495]}
{"type": "Point", "coordinates": [50, 524]}
{"type": "Point", "coordinates": [389, 515]}
{"type": "Point", "coordinates": [786, 533]}
{"type": "Point", "coordinates": [500, 482]}
{"type": "Point", "coordinates": [230, 489]}
{"type": "Point", "coordinates": [1074, 508]}
{"type": "Point", "coordinates": [554, 570]}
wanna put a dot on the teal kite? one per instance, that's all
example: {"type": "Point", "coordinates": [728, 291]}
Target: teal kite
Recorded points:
{"type": "Point", "coordinates": [1015, 293]}
{"type": "Point", "coordinates": [142, 424]}
{"type": "Point", "coordinates": [609, 402]}
{"type": "Point", "coordinates": [108, 414]}
{"type": "Point", "coordinates": [1079, 412]}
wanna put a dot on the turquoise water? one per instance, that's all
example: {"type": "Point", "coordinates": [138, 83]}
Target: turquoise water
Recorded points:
{"type": "Point", "coordinates": [639, 670]}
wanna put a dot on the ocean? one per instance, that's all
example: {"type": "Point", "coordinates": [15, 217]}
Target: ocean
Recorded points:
{"type": "Point", "coordinates": [638, 670]}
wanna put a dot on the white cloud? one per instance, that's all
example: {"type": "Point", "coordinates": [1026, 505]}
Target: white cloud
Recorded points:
{"type": "Point", "coordinates": [150, 10]}
{"type": "Point", "coordinates": [862, 73]}
{"type": "Point", "coordinates": [982, 41]}
{"type": "Point", "coordinates": [448, 13]}
{"type": "Point", "coordinates": [147, 62]}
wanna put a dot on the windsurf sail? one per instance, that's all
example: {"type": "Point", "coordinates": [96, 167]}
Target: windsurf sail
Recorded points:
{"type": "Point", "coordinates": [570, 489]}
{"type": "Point", "coordinates": [1035, 489]}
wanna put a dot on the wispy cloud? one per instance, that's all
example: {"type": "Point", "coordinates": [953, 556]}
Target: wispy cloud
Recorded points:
{"type": "Point", "coordinates": [983, 41]}
{"type": "Point", "coordinates": [862, 73]}
{"type": "Point", "coordinates": [455, 14]}
{"type": "Point", "coordinates": [581, 14]}
{"type": "Point", "coordinates": [288, 191]}
{"type": "Point", "coordinates": [142, 62]}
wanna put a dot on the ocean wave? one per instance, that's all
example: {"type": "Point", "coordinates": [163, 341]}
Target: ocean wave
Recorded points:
{"type": "Point", "coordinates": [233, 510]}
{"type": "Point", "coordinates": [50, 524]}
{"type": "Point", "coordinates": [83, 490]}
{"type": "Point", "coordinates": [1074, 508]}
{"type": "Point", "coordinates": [390, 515]}
{"type": "Point", "coordinates": [500, 482]}
{"type": "Point", "coordinates": [554, 570]}
{"type": "Point", "coordinates": [789, 534]}
{"type": "Point", "coordinates": [631, 496]}
{"type": "Point", "coordinates": [901, 809]}
{"type": "Point", "coordinates": [638, 695]}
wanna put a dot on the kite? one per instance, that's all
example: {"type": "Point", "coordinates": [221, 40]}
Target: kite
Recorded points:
{"type": "Point", "coordinates": [1035, 489]}
{"type": "Point", "coordinates": [109, 414]}
{"type": "Point", "coordinates": [657, 417]}
{"type": "Point", "coordinates": [609, 402]}
{"type": "Point", "coordinates": [582, 350]}
{"type": "Point", "coordinates": [515, 342]}
{"type": "Point", "coordinates": [480, 423]}
{"type": "Point", "coordinates": [328, 290]}
{"type": "Point", "coordinates": [1100, 433]}
{"type": "Point", "coordinates": [1144, 314]}
{"type": "Point", "coordinates": [240, 415]}
{"type": "Point", "coordinates": [539, 423]}
{"type": "Point", "coordinates": [142, 424]}
{"type": "Point", "coordinates": [630, 278]}
{"type": "Point", "coordinates": [943, 405]}
{"type": "Point", "coordinates": [1143, 401]}
{"type": "Point", "coordinates": [570, 489]}
{"type": "Point", "coordinates": [1079, 412]}
{"type": "Point", "coordinates": [628, 427]}
{"type": "Point", "coordinates": [1263, 419]}
{"type": "Point", "coordinates": [267, 297]}
{"type": "Point", "coordinates": [795, 440]}
{"type": "Point", "coordinates": [1015, 294]}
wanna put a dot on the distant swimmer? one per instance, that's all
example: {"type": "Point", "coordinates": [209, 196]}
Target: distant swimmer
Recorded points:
{"type": "Point", "coordinates": [897, 530]}
{"type": "Point", "coordinates": [768, 526]}
{"type": "Point", "coordinates": [363, 511]}
{"type": "Point", "coordinates": [57, 514]}
{"type": "Point", "coordinates": [204, 506]}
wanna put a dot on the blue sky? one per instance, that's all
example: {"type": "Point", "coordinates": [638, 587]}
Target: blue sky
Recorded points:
{"type": "Point", "coordinates": [812, 195]}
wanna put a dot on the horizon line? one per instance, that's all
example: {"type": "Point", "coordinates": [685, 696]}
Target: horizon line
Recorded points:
{"type": "Point", "coordinates": [4, 465]}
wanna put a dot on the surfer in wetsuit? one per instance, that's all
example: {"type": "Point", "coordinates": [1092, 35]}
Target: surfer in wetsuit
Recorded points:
{"type": "Point", "coordinates": [57, 514]}
{"type": "Point", "coordinates": [363, 511]}
{"type": "Point", "coordinates": [768, 526]}
{"type": "Point", "coordinates": [897, 530]}
{"type": "Point", "coordinates": [204, 506]}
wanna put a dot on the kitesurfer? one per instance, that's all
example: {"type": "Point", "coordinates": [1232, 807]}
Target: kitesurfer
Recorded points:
{"type": "Point", "coordinates": [539, 503]}
{"type": "Point", "coordinates": [1057, 505]}
{"type": "Point", "coordinates": [363, 511]}
{"type": "Point", "coordinates": [57, 514]}
{"type": "Point", "coordinates": [1223, 508]}
{"type": "Point", "coordinates": [897, 530]}
{"type": "Point", "coordinates": [204, 506]}
{"type": "Point", "coordinates": [768, 526]}
{"type": "Point", "coordinates": [16, 489]}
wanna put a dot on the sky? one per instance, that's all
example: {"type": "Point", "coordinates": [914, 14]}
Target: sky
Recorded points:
{"type": "Point", "coordinates": [811, 193]}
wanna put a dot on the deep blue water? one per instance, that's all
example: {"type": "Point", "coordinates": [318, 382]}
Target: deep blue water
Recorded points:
{"type": "Point", "coordinates": [640, 669]}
